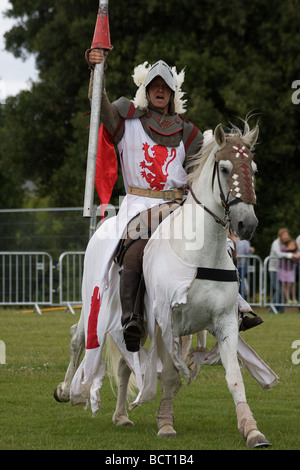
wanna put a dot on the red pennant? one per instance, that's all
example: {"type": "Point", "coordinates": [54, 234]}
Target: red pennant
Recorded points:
{"type": "Point", "coordinates": [101, 37]}
{"type": "Point", "coordinates": [106, 168]}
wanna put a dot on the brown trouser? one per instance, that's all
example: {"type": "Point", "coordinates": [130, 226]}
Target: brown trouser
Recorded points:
{"type": "Point", "coordinates": [138, 232]}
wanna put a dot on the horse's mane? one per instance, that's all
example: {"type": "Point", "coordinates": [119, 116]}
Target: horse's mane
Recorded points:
{"type": "Point", "coordinates": [195, 163]}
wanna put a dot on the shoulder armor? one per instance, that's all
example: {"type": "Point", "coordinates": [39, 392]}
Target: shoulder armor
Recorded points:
{"type": "Point", "coordinates": [126, 108]}
{"type": "Point", "coordinates": [192, 137]}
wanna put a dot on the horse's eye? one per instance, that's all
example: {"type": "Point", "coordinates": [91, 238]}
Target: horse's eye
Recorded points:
{"type": "Point", "coordinates": [224, 169]}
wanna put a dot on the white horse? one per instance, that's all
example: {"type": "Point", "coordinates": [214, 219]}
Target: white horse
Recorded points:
{"type": "Point", "coordinates": [194, 241]}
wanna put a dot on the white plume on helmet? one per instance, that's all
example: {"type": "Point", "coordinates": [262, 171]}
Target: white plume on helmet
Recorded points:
{"type": "Point", "coordinates": [140, 79]}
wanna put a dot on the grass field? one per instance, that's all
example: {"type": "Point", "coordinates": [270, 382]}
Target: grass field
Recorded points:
{"type": "Point", "coordinates": [36, 361]}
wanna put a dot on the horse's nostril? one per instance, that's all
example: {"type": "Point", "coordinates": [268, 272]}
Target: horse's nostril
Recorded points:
{"type": "Point", "coordinates": [246, 231]}
{"type": "Point", "coordinates": [240, 228]}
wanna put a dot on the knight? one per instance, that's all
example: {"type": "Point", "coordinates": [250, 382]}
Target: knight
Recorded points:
{"type": "Point", "coordinates": [150, 126]}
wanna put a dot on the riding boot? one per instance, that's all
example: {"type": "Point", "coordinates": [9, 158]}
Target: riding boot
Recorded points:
{"type": "Point", "coordinates": [248, 323]}
{"type": "Point", "coordinates": [244, 310]}
{"type": "Point", "coordinates": [132, 301]}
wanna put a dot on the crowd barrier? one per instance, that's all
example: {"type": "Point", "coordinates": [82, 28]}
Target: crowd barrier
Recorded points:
{"type": "Point", "coordinates": [70, 268]}
{"type": "Point", "coordinates": [27, 278]}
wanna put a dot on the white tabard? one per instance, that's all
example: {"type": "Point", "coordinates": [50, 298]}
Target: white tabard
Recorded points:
{"type": "Point", "coordinates": [148, 165]}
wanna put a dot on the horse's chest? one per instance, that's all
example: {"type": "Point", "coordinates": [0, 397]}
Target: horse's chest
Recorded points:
{"type": "Point", "coordinates": [206, 301]}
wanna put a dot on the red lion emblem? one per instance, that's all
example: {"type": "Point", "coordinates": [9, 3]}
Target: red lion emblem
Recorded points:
{"type": "Point", "coordinates": [156, 165]}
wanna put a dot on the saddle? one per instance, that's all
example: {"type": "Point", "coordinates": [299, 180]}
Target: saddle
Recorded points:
{"type": "Point", "coordinates": [143, 225]}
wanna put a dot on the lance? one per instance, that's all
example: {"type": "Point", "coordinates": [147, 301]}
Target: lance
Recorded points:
{"type": "Point", "coordinates": [101, 40]}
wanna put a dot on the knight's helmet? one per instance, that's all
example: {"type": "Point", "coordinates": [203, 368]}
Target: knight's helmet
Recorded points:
{"type": "Point", "coordinates": [163, 70]}
{"type": "Point", "coordinates": [144, 74]}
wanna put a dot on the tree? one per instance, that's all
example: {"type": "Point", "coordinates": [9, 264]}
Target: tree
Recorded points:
{"type": "Point", "coordinates": [239, 58]}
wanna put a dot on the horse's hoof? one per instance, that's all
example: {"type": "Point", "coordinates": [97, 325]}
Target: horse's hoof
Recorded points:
{"type": "Point", "coordinates": [167, 431]}
{"type": "Point", "coordinates": [56, 395]}
{"type": "Point", "coordinates": [256, 439]}
{"type": "Point", "coordinates": [60, 396]}
{"type": "Point", "coordinates": [122, 421]}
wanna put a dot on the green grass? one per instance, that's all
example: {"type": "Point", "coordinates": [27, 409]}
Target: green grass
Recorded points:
{"type": "Point", "coordinates": [36, 361]}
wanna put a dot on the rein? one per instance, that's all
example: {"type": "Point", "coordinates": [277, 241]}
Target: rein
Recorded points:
{"type": "Point", "coordinates": [217, 219]}
{"type": "Point", "coordinates": [224, 200]}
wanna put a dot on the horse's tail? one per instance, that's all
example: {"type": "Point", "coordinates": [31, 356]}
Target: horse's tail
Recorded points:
{"type": "Point", "coordinates": [112, 357]}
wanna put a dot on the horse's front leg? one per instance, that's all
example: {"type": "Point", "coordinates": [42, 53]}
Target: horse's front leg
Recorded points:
{"type": "Point", "coordinates": [170, 384]}
{"type": "Point", "coordinates": [227, 340]}
{"type": "Point", "coordinates": [120, 417]}
{"type": "Point", "coordinates": [62, 391]}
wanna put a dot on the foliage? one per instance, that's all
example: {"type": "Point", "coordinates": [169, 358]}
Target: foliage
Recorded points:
{"type": "Point", "coordinates": [239, 58]}
{"type": "Point", "coordinates": [36, 361]}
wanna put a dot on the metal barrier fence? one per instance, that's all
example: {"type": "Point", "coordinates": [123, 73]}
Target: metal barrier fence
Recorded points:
{"type": "Point", "coordinates": [70, 268]}
{"type": "Point", "coordinates": [250, 269]}
{"type": "Point", "coordinates": [27, 278]}
{"type": "Point", "coordinates": [24, 279]}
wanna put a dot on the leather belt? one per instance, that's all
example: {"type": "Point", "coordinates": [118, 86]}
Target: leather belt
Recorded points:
{"type": "Point", "coordinates": [174, 194]}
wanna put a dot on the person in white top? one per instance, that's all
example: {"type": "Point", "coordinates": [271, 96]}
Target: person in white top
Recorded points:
{"type": "Point", "coordinates": [153, 140]}
{"type": "Point", "coordinates": [276, 251]}
{"type": "Point", "coordinates": [298, 242]}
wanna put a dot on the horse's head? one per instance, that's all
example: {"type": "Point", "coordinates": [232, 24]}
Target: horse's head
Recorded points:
{"type": "Point", "coordinates": [235, 173]}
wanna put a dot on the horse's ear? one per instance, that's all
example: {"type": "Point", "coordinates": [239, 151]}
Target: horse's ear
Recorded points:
{"type": "Point", "coordinates": [251, 138]}
{"type": "Point", "coordinates": [219, 135]}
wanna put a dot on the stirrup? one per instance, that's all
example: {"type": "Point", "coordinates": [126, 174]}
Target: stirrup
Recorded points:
{"type": "Point", "coordinates": [134, 328]}
{"type": "Point", "coordinates": [248, 323]}
{"type": "Point", "coordinates": [133, 332]}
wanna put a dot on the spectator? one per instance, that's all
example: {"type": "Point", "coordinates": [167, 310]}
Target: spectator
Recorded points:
{"type": "Point", "coordinates": [286, 272]}
{"type": "Point", "coordinates": [243, 247]}
{"type": "Point", "coordinates": [298, 269]}
{"type": "Point", "coordinates": [275, 253]}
